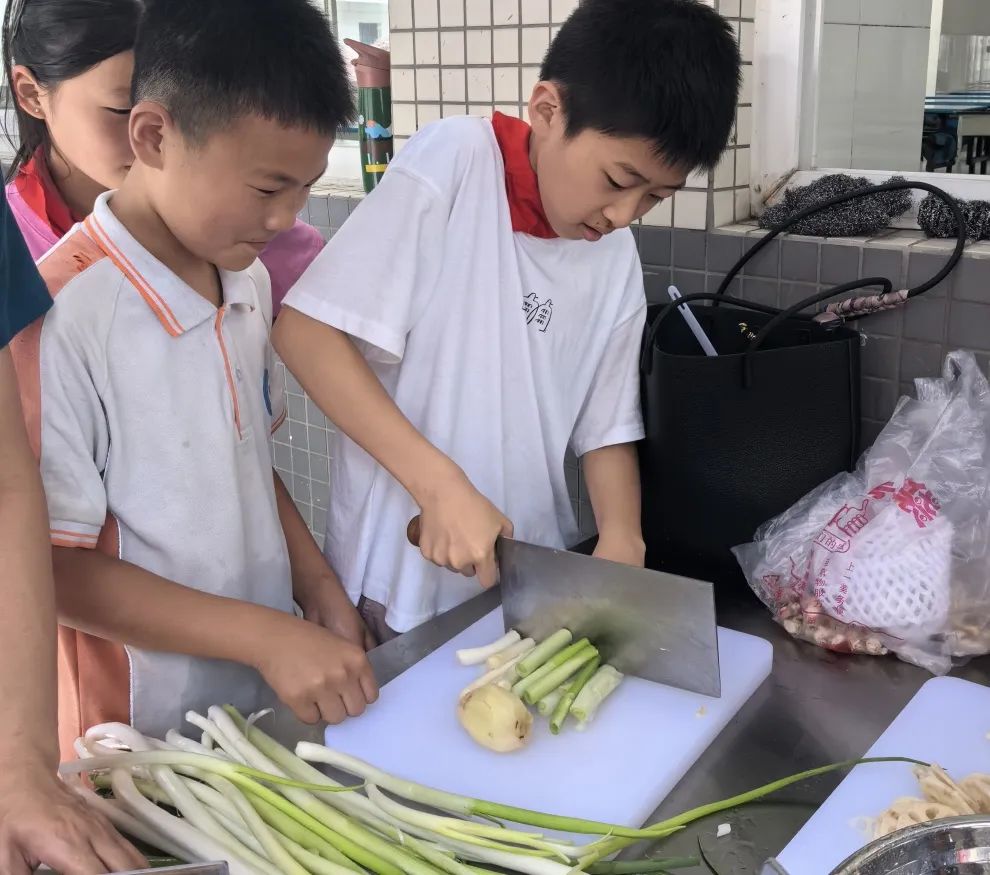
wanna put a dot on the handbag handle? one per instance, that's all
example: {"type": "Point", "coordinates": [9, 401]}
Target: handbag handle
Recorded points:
{"type": "Point", "coordinates": [646, 355]}
{"type": "Point", "coordinates": [899, 185]}
{"type": "Point", "coordinates": [779, 316]}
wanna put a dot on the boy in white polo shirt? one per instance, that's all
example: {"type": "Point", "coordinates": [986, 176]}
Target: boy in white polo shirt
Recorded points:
{"type": "Point", "coordinates": [150, 390]}
{"type": "Point", "coordinates": [483, 309]}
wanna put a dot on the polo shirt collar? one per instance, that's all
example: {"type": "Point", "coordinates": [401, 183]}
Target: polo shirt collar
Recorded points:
{"type": "Point", "coordinates": [177, 306]}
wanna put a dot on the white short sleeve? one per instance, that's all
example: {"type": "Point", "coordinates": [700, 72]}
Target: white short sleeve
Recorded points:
{"type": "Point", "coordinates": [376, 274]}
{"type": "Point", "coordinates": [75, 438]}
{"type": "Point", "coordinates": [612, 414]}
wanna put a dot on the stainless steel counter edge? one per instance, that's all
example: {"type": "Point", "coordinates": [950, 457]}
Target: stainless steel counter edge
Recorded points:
{"type": "Point", "coordinates": [816, 708]}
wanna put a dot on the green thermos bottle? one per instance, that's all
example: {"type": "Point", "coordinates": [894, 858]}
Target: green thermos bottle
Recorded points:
{"type": "Point", "coordinates": [374, 77]}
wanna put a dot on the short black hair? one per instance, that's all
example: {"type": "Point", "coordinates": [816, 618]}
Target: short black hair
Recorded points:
{"type": "Point", "coordinates": [212, 62]}
{"type": "Point", "coordinates": [664, 70]}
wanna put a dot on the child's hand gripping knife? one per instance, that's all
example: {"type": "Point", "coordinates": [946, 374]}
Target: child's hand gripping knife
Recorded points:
{"type": "Point", "coordinates": [317, 674]}
{"type": "Point", "coordinates": [458, 529]}
{"type": "Point", "coordinates": [317, 667]}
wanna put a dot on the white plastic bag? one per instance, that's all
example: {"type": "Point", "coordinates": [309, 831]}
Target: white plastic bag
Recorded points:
{"type": "Point", "coordinates": [896, 556]}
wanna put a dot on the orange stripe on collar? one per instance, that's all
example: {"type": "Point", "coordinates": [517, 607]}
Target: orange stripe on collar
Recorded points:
{"type": "Point", "coordinates": [144, 288]}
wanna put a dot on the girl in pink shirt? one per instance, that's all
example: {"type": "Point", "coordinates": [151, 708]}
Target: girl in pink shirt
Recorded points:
{"type": "Point", "coordinates": [69, 64]}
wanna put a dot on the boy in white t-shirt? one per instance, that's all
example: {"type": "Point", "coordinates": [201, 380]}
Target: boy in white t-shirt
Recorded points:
{"type": "Point", "coordinates": [482, 311]}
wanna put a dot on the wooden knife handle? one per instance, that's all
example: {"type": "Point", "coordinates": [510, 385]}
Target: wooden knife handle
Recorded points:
{"type": "Point", "coordinates": [413, 531]}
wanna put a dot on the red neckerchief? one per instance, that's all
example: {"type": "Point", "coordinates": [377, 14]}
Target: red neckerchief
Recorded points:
{"type": "Point", "coordinates": [525, 205]}
{"type": "Point", "coordinates": [34, 184]}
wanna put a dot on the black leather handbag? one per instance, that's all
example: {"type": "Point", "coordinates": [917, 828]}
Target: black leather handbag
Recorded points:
{"type": "Point", "coordinates": [735, 439]}
{"type": "Point", "coordinates": [723, 455]}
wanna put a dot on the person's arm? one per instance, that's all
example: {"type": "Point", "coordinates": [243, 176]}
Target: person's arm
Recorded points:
{"type": "Point", "coordinates": [41, 821]}
{"type": "Point", "coordinates": [459, 526]}
{"type": "Point", "coordinates": [311, 670]}
{"type": "Point", "coordinates": [317, 674]}
{"type": "Point", "coordinates": [609, 426]}
{"type": "Point", "coordinates": [611, 475]}
{"type": "Point", "coordinates": [315, 586]}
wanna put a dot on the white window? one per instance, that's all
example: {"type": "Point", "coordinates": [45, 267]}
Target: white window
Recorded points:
{"type": "Point", "coordinates": [864, 86]}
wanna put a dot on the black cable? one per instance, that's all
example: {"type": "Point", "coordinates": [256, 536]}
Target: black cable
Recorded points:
{"type": "Point", "coordinates": [853, 195]}
{"type": "Point", "coordinates": [778, 315]}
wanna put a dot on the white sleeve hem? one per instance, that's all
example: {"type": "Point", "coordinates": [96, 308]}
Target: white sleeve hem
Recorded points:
{"type": "Point", "coordinates": [629, 433]}
{"type": "Point", "coordinates": [391, 345]}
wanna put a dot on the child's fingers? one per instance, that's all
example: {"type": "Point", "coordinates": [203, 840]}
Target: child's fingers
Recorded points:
{"type": "Point", "coordinates": [332, 708]}
{"type": "Point", "coordinates": [117, 854]}
{"type": "Point", "coordinates": [307, 712]}
{"type": "Point", "coordinates": [369, 686]}
{"type": "Point", "coordinates": [354, 699]}
{"type": "Point", "coordinates": [487, 571]}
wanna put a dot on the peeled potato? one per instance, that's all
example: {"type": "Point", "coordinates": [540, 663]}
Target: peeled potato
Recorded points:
{"type": "Point", "coordinates": [496, 718]}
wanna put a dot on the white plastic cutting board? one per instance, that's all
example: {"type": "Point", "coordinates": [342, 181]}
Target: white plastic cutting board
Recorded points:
{"type": "Point", "coordinates": [644, 739]}
{"type": "Point", "coordinates": [946, 723]}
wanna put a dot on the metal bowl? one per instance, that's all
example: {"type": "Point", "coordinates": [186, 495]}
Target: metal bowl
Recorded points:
{"type": "Point", "coordinates": [954, 846]}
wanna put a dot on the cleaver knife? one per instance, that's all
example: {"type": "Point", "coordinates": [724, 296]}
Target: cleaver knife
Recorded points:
{"type": "Point", "coordinates": [650, 624]}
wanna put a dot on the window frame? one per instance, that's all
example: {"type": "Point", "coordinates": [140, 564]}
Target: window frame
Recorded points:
{"type": "Point", "coordinates": [785, 111]}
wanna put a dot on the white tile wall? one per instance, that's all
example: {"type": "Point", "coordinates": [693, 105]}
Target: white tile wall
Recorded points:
{"type": "Point", "coordinates": [724, 207]}
{"type": "Point", "coordinates": [478, 13]}
{"type": "Point", "coordinates": [400, 14]}
{"type": "Point", "coordinates": [725, 173]}
{"type": "Point", "coordinates": [691, 209]}
{"type": "Point", "coordinates": [479, 46]}
{"type": "Point", "coordinates": [505, 46]}
{"type": "Point", "coordinates": [506, 12]}
{"type": "Point", "coordinates": [427, 44]}
{"type": "Point", "coordinates": [426, 14]}
{"type": "Point", "coordinates": [535, 41]}
{"type": "Point", "coordinates": [662, 215]}
{"type": "Point", "coordinates": [456, 56]}
{"type": "Point", "coordinates": [427, 85]}
{"type": "Point", "coordinates": [536, 12]}
{"type": "Point", "coordinates": [744, 126]}
{"type": "Point", "coordinates": [452, 52]}
{"type": "Point", "coordinates": [452, 13]}
{"type": "Point", "coordinates": [453, 86]}
{"type": "Point", "coordinates": [401, 45]}
{"type": "Point", "coordinates": [506, 85]}
{"type": "Point", "coordinates": [561, 9]}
